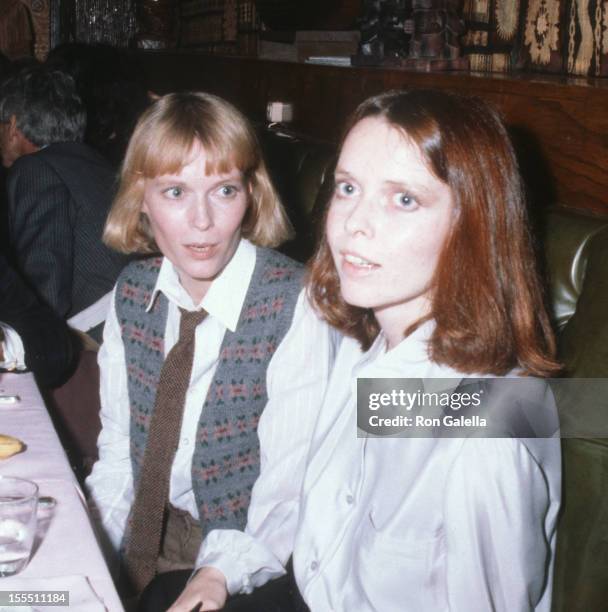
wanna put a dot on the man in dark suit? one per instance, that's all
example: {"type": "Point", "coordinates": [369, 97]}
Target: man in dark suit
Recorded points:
{"type": "Point", "coordinates": [59, 193]}
{"type": "Point", "coordinates": [32, 335]}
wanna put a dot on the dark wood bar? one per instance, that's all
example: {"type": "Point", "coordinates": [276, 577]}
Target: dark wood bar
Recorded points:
{"type": "Point", "coordinates": [559, 124]}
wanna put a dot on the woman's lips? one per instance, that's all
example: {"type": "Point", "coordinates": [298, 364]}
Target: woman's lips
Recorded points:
{"type": "Point", "coordinates": [353, 263]}
{"type": "Point", "coordinates": [201, 251]}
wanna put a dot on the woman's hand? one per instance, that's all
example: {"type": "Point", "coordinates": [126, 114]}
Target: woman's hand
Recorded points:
{"type": "Point", "coordinates": [207, 587]}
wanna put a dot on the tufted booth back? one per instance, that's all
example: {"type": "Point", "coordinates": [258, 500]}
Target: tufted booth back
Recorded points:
{"type": "Point", "coordinates": [575, 252]}
{"type": "Point", "coordinates": [298, 169]}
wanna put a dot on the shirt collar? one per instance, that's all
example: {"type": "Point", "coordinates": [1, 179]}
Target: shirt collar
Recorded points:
{"type": "Point", "coordinates": [226, 295]}
{"type": "Point", "coordinates": [409, 358]}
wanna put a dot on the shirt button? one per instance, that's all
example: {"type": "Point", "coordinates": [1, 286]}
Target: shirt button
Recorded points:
{"type": "Point", "coordinates": [185, 441]}
{"type": "Point", "coordinates": [313, 566]}
{"type": "Point", "coordinates": [350, 499]}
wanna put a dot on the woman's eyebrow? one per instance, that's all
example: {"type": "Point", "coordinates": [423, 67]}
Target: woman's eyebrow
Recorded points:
{"type": "Point", "coordinates": [237, 175]}
{"type": "Point", "coordinates": [342, 172]}
{"type": "Point", "coordinates": [174, 180]}
{"type": "Point", "coordinates": [229, 178]}
{"type": "Point", "coordinates": [408, 185]}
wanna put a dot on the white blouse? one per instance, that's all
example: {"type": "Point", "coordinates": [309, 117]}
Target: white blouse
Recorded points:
{"type": "Point", "coordinates": [296, 382]}
{"type": "Point", "coordinates": [394, 524]}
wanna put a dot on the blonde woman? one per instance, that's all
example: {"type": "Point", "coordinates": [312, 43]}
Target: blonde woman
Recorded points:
{"type": "Point", "coordinates": [196, 202]}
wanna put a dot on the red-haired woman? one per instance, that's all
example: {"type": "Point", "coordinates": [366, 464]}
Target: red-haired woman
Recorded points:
{"type": "Point", "coordinates": [427, 264]}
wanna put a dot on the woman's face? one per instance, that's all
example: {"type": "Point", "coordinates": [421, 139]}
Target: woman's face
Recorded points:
{"type": "Point", "coordinates": [388, 221]}
{"type": "Point", "coordinates": [196, 220]}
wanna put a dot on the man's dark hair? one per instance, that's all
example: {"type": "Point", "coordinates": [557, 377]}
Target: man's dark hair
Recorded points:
{"type": "Point", "coordinates": [45, 104]}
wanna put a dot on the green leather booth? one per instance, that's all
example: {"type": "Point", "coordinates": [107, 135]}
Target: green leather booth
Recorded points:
{"type": "Point", "coordinates": [574, 250]}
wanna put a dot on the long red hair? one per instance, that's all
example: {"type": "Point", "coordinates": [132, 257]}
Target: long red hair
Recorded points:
{"type": "Point", "coordinates": [487, 298]}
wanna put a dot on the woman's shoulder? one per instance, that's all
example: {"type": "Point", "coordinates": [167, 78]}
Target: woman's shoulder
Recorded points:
{"type": "Point", "coordinates": [511, 406]}
{"type": "Point", "coordinates": [136, 282]}
{"type": "Point", "coordinates": [141, 266]}
{"type": "Point", "coordinates": [492, 460]}
{"type": "Point", "coordinates": [274, 268]}
{"type": "Point", "coordinates": [274, 257]}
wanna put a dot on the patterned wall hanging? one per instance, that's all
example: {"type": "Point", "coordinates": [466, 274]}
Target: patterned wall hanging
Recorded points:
{"type": "Point", "coordinates": [492, 29]}
{"type": "Point", "coordinates": [544, 36]}
{"type": "Point", "coordinates": [587, 49]}
{"type": "Point", "coordinates": [567, 36]}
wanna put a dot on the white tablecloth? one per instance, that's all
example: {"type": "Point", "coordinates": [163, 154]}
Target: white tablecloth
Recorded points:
{"type": "Point", "coordinates": [66, 554]}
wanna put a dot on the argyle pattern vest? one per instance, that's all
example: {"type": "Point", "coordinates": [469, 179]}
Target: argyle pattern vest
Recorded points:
{"type": "Point", "coordinates": [226, 459]}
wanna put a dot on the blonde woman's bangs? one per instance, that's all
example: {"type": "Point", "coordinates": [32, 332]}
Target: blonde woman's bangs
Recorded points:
{"type": "Point", "coordinates": [227, 146]}
{"type": "Point", "coordinates": [165, 149]}
{"type": "Point", "coordinates": [174, 145]}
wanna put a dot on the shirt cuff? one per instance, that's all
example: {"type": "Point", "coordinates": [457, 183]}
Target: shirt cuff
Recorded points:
{"type": "Point", "coordinates": [14, 354]}
{"type": "Point", "coordinates": [245, 563]}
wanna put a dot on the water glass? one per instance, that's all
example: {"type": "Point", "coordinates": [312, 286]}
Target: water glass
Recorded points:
{"type": "Point", "coordinates": [18, 505]}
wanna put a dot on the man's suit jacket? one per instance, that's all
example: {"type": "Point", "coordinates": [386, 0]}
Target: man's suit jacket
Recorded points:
{"type": "Point", "coordinates": [58, 200]}
{"type": "Point", "coordinates": [51, 350]}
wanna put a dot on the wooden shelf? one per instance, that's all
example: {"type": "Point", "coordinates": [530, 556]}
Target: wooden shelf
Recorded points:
{"type": "Point", "coordinates": [559, 124]}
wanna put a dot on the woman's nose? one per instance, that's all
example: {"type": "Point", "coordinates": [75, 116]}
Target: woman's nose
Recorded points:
{"type": "Point", "coordinates": [201, 215]}
{"type": "Point", "coordinates": [359, 218]}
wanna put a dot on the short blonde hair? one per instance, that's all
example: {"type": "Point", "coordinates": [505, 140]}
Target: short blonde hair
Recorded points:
{"type": "Point", "coordinates": [162, 143]}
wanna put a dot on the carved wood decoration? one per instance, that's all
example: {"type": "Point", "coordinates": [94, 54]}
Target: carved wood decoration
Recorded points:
{"type": "Point", "coordinates": [16, 34]}
{"type": "Point", "coordinates": [40, 16]}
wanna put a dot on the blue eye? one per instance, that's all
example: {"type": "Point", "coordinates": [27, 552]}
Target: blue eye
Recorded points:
{"type": "Point", "coordinates": [228, 191]}
{"type": "Point", "coordinates": [405, 200]}
{"type": "Point", "coordinates": [345, 189]}
{"type": "Point", "coordinates": [174, 192]}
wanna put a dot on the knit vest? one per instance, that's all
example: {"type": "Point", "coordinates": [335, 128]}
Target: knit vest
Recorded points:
{"type": "Point", "coordinates": [226, 459]}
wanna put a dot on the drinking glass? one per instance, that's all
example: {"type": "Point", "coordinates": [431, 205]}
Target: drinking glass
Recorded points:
{"type": "Point", "coordinates": [18, 505]}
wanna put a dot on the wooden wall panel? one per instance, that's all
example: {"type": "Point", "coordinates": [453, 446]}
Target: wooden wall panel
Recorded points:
{"type": "Point", "coordinates": [560, 125]}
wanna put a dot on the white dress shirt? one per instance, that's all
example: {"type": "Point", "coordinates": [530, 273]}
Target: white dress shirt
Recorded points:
{"type": "Point", "coordinates": [296, 379]}
{"type": "Point", "coordinates": [394, 524]}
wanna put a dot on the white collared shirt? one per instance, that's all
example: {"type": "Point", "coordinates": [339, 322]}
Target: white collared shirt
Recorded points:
{"type": "Point", "coordinates": [393, 524]}
{"type": "Point", "coordinates": [296, 383]}
{"type": "Point", "coordinates": [397, 524]}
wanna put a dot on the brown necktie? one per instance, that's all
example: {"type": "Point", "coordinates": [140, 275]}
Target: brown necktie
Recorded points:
{"type": "Point", "coordinates": [163, 435]}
